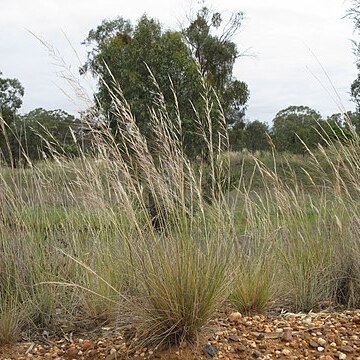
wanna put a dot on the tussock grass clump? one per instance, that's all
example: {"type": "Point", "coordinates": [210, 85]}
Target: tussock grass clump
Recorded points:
{"type": "Point", "coordinates": [252, 288]}
{"type": "Point", "coordinates": [184, 285]}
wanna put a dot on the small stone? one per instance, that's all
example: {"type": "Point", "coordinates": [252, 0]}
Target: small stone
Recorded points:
{"type": "Point", "coordinates": [347, 349]}
{"type": "Point", "coordinates": [341, 356]}
{"type": "Point", "coordinates": [321, 341]}
{"type": "Point", "coordinates": [72, 352]}
{"type": "Point", "coordinates": [287, 336]}
{"type": "Point", "coordinates": [286, 352]}
{"type": "Point", "coordinates": [87, 344]}
{"type": "Point", "coordinates": [307, 321]}
{"type": "Point", "coordinates": [320, 349]}
{"type": "Point", "coordinates": [239, 348]}
{"type": "Point", "coordinates": [314, 344]}
{"type": "Point", "coordinates": [252, 344]}
{"type": "Point", "coordinates": [210, 350]}
{"type": "Point", "coordinates": [256, 354]}
{"type": "Point", "coordinates": [234, 338]}
{"type": "Point", "coordinates": [235, 317]}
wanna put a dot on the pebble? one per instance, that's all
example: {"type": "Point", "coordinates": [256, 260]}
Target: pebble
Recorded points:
{"type": "Point", "coordinates": [252, 344]}
{"type": "Point", "coordinates": [347, 349]}
{"type": "Point", "coordinates": [234, 338]}
{"type": "Point", "coordinates": [235, 317]}
{"type": "Point", "coordinates": [287, 335]}
{"type": "Point", "coordinates": [72, 352]}
{"type": "Point", "coordinates": [286, 352]}
{"type": "Point", "coordinates": [210, 350]}
{"type": "Point", "coordinates": [87, 344]}
{"type": "Point", "coordinates": [257, 354]}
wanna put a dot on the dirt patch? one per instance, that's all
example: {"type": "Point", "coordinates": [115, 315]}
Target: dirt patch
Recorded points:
{"type": "Point", "coordinates": [324, 335]}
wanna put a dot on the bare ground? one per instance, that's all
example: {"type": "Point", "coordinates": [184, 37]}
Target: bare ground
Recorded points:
{"type": "Point", "coordinates": [324, 335]}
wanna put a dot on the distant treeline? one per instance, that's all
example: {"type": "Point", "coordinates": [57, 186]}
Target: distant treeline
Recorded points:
{"type": "Point", "coordinates": [182, 74]}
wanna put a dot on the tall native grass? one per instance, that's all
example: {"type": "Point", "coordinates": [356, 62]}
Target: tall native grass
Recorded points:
{"type": "Point", "coordinates": [149, 238]}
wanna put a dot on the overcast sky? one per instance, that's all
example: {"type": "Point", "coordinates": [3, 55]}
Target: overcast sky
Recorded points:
{"type": "Point", "coordinates": [295, 48]}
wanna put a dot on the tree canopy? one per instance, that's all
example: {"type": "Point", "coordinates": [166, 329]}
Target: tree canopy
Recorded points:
{"type": "Point", "coordinates": [211, 44]}
{"type": "Point", "coordinates": [11, 93]}
{"type": "Point", "coordinates": [126, 52]}
{"type": "Point", "coordinates": [45, 131]}
{"type": "Point", "coordinates": [256, 136]}
{"type": "Point", "coordinates": [293, 125]}
{"type": "Point", "coordinates": [33, 135]}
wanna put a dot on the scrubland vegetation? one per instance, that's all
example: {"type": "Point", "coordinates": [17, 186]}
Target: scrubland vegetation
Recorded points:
{"type": "Point", "coordinates": [79, 245]}
{"type": "Point", "coordinates": [157, 220]}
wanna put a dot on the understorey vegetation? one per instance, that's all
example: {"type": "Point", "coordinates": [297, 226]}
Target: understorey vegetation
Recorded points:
{"type": "Point", "coordinates": [152, 239]}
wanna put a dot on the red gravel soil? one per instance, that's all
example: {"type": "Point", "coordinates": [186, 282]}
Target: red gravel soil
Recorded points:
{"type": "Point", "coordinates": [325, 335]}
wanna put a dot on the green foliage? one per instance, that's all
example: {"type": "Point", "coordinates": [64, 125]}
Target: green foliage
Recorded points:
{"type": "Point", "coordinates": [122, 54]}
{"type": "Point", "coordinates": [255, 136]}
{"type": "Point", "coordinates": [11, 93]}
{"type": "Point", "coordinates": [295, 124]}
{"type": "Point", "coordinates": [351, 121]}
{"type": "Point", "coordinates": [236, 136]}
{"type": "Point", "coordinates": [43, 132]}
{"type": "Point", "coordinates": [38, 134]}
{"type": "Point", "coordinates": [125, 53]}
{"type": "Point", "coordinates": [212, 46]}
{"type": "Point", "coordinates": [251, 136]}
{"type": "Point", "coordinates": [35, 135]}
{"type": "Point", "coordinates": [253, 285]}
